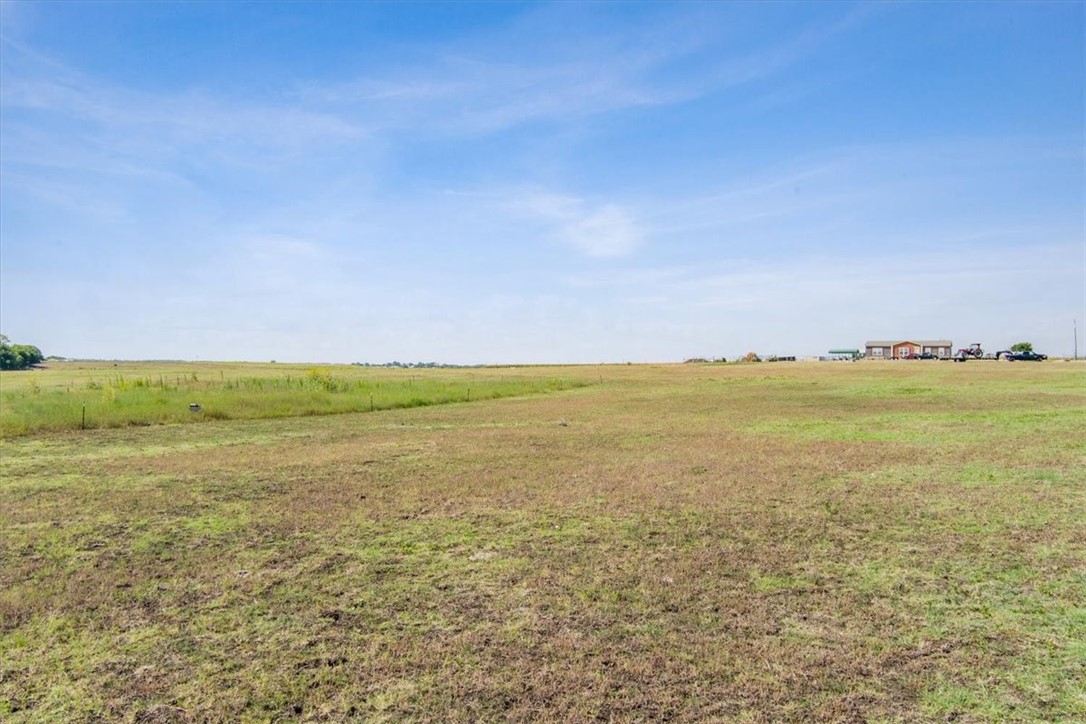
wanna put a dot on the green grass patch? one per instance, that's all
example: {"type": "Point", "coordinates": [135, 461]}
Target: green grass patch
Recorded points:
{"type": "Point", "coordinates": [120, 400]}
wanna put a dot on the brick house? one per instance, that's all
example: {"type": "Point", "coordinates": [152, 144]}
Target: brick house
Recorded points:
{"type": "Point", "coordinates": [906, 349]}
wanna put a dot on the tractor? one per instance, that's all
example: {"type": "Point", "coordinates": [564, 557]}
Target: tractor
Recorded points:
{"type": "Point", "coordinates": [972, 350]}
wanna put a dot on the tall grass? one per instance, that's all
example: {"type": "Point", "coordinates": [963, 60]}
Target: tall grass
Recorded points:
{"type": "Point", "coordinates": [117, 400]}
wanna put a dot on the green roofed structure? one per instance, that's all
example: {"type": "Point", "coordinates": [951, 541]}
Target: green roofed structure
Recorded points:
{"type": "Point", "coordinates": [853, 353]}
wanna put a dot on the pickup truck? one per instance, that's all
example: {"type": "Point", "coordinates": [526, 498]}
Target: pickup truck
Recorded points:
{"type": "Point", "coordinates": [1024, 356]}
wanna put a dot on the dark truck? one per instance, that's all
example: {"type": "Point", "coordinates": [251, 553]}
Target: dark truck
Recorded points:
{"type": "Point", "coordinates": [1026, 355]}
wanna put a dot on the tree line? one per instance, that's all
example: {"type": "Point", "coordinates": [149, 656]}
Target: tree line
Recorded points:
{"type": "Point", "coordinates": [18, 356]}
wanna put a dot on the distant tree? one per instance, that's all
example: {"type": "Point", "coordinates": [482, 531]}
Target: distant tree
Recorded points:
{"type": "Point", "coordinates": [17, 356]}
{"type": "Point", "coordinates": [1022, 347]}
{"type": "Point", "coordinates": [752, 357]}
{"type": "Point", "coordinates": [8, 360]}
{"type": "Point", "coordinates": [28, 354]}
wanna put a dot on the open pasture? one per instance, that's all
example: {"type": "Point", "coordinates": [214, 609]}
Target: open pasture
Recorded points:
{"type": "Point", "coordinates": [824, 541]}
{"type": "Point", "coordinates": [81, 395]}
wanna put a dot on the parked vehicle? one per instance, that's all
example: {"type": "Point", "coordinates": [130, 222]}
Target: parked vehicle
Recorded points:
{"type": "Point", "coordinates": [972, 350]}
{"type": "Point", "coordinates": [1024, 356]}
{"type": "Point", "coordinates": [925, 355]}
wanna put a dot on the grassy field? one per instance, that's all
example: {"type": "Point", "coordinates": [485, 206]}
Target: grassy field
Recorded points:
{"type": "Point", "coordinates": [79, 395]}
{"type": "Point", "coordinates": [805, 541]}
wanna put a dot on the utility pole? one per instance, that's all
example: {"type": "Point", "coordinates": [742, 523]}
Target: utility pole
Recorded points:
{"type": "Point", "coordinates": [1076, 339]}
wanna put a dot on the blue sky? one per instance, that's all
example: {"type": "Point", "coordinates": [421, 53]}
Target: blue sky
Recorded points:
{"type": "Point", "coordinates": [538, 182]}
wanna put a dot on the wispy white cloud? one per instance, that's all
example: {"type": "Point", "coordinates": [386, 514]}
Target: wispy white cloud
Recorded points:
{"type": "Point", "coordinates": [601, 230]}
{"type": "Point", "coordinates": [457, 95]}
{"type": "Point", "coordinates": [909, 196]}
{"type": "Point", "coordinates": [141, 121]}
{"type": "Point", "coordinates": [776, 57]}
{"type": "Point", "coordinates": [525, 74]}
{"type": "Point", "coordinates": [608, 231]}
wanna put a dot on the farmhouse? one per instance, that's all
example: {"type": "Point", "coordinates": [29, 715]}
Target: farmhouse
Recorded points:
{"type": "Point", "coordinates": [905, 349]}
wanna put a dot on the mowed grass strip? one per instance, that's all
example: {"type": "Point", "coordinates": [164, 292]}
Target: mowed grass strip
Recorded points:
{"type": "Point", "coordinates": [652, 547]}
{"type": "Point", "coordinates": [34, 401]}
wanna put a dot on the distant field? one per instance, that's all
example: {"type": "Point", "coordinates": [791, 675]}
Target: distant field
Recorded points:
{"type": "Point", "coordinates": [80, 395]}
{"type": "Point", "coordinates": [787, 541]}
